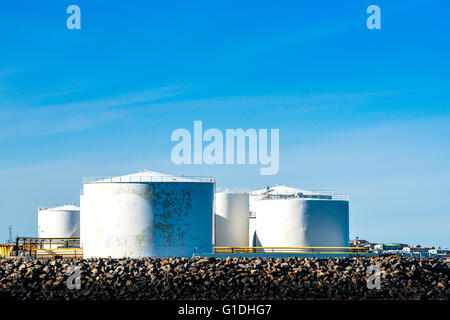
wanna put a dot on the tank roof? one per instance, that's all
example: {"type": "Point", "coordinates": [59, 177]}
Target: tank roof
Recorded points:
{"type": "Point", "coordinates": [285, 191]}
{"type": "Point", "coordinates": [66, 207]}
{"type": "Point", "coordinates": [147, 176]}
{"type": "Point", "coordinates": [233, 190]}
{"type": "Point", "coordinates": [278, 190]}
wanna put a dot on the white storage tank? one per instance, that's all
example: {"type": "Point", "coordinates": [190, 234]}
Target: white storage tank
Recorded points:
{"type": "Point", "coordinates": [288, 217]}
{"type": "Point", "coordinates": [231, 218]}
{"type": "Point", "coordinates": [59, 222]}
{"type": "Point", "coordinates": [147, 214]}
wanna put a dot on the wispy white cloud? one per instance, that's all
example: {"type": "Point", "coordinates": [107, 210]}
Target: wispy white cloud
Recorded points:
{"type": "Point", "coordinates": [270, 104]}
{"type": "Point", "coordinates": [20, 121]}
{"type": "Point", "coordinates": [74, 116]}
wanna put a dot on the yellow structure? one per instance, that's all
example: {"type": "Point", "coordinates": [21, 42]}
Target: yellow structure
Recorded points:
{"type": "Point", "coordinates": [6, 250]}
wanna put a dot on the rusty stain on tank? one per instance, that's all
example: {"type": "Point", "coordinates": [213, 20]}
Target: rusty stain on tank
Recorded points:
{"type": "Point", "coordinates": [169, 209]}
{"type": "Point", "coordinates": [127, 188]}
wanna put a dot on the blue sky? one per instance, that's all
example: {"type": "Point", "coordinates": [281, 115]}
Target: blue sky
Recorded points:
{"type": "Point", "coordinates": [362, 112]}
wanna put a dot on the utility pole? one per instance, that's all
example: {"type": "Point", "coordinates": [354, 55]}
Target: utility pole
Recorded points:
{"type": "Point", "coordinates": [10, 234]}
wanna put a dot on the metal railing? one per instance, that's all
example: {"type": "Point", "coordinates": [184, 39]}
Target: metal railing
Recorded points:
{"type": "Point", "coordinates": [293, 250]}
{"type": "Point", "coordinates": [310, 195]}
{"type": "Point", "coordinates": [139, 179]}
{"type": "Point", "coordinates": [58, 252]}
{"type": "Point", "coordinates": [29, 246]}
{"type": "Point", "coordinates": [41, 242]}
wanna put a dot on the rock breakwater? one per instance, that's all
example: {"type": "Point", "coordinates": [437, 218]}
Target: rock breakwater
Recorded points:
{"type": "Point", "coordinates": [224, 278]}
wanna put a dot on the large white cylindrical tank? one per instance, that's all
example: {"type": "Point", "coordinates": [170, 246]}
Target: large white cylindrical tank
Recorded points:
{"type": "Point", "coordinates": [147, 214]}
{"type": "Point", "coordinates": [59, 222]}
{"type": "Point", "coordinates": [287, 217]}
{"type": "Point", "coordinates": [231, 219]}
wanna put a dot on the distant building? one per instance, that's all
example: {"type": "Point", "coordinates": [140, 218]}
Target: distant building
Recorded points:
{"type": "Point", "coordinates": [392, 246]}
{"type": "Point", "coordinates": [411, 249]}
{"type": "Point", "coordinates": [359, 243]}
{"type": "Point", "coordinates": [378, 246]}
{"type": "Point", "coordinates": [402, 249]}
{"type": "Point", "coordinates": [439, 251]}
{"type": "Point", "coordinates": [417, 250]}
{"type": "Point", "coordinates": [388, 247]}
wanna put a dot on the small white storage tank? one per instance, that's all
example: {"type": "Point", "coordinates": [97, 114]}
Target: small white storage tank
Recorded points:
{"type": "Point", "coordinates": [147, 214]}
{"type": "Point", "coordinates": [59, 222]}
{"type": "Point", "coordinates": [231, 218]}
{"type": "Point", "coordinates": [288, 217]}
